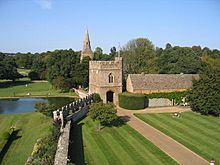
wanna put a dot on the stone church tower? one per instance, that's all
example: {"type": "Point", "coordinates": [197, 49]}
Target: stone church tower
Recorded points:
{"type": "Point", "coordinates": [86, 51]}
{"type": "Point", "coordinates": [105, 78]}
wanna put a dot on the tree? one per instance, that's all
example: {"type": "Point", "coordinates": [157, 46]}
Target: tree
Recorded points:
{"type": "Point", "coordinates": [179, 60]}
{"type": "Point", "coordinates": [168, 46]}
{"type": "Point", "coordinates": [61, 83]}
{"type": "Point", "coordinates": [113, 52]}
{"type": "Point", "coordinates": [98, 53]}
{"type": "Point", "coordinates": [205, 94]}
{"type": "Point", "coordinates": [24, 60]}
{"type": "Point", "coordinates": [8, 68]}
{"type": "Point", "coordinates": [33, 75]}
{"type": "Point", "coordinates": [105, 114]}
{"type": "Point", "coordinates": [139, 55]}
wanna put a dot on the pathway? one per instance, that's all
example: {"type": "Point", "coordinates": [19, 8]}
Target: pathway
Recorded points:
{"type": "Point", "coordinates": [177, 151]}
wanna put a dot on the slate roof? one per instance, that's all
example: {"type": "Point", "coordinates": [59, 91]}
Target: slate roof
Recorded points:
{"type": "Point", "coordinates": [162, 81]}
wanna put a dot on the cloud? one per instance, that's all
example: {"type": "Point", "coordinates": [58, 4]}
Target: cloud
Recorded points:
{"type": "Point", "coordinates": [45, 4]}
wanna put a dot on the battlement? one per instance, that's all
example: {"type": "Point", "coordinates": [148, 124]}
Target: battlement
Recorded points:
{"type": "Point", "coordinates": [117, 64]}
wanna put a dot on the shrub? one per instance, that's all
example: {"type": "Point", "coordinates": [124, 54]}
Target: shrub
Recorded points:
{"type": "Point", "coordinates": [46, 109]}
{"type": "Point", "coordinates": [96, 98]}
{"type": "Point", "coordinates": [132, 101]}
{"type": "Point", "coordinates": [61, 83]}
{"type": "Point", "coordinates": [33, 75]}
{"type": "Point", "coordinates": [104, 113]}
{"type": "Point", "coordinates": [47, 147]}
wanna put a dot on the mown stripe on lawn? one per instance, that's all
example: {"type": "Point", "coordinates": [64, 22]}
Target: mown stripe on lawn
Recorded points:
{"type": "Point", "coordinates": [123, 154]}
{"type": "Point", "coordinates": [178, 124]}
{"type": "Point", "coordinates": [128, 148]}
{"type": "Point", "coordinates": [143, 151]}
{"type": "Point", "coordinates": [106, 149]}
{"type": "Point", "coordinates": [177, 135]}
{"type": "Point", "coordinates": [96, 152]}
{"type": "Point", "coordinates": [155, 151]}
{"type": "Point", "coordinates": [201, 138]}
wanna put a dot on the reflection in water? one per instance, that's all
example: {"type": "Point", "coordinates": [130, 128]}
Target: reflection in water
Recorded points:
{"type": "Point", "coordinates": [10, 106]}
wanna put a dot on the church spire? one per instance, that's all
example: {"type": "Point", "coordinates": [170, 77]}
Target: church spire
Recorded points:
{"type": "Point", "coordinates": [86, 51]}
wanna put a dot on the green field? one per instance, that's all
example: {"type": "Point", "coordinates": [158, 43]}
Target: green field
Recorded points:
{"type": "Point", "coordinates": [22, 87]}
{"type": "Point", "coordinates": [199, 133]}
{"type": "Point", "coordinates": [113, 146]}
{"type": "Point", "coordinates": [23, 71]}
{"type": "Point", "coordinates": [31, 126]}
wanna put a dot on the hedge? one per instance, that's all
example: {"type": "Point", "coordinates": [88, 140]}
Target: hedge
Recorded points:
{"type": "Point", "coordinates": [132, 101]}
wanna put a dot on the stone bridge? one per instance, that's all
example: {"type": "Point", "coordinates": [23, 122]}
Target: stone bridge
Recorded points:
{"type": "Point", "coordinates": [65, 115]}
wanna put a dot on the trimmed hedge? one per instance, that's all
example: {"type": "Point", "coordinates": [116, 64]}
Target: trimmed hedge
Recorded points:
{"type": "Point", "coordinates": [132, 101]}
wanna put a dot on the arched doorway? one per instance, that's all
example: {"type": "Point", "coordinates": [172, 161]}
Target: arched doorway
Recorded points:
{"type": "Point", "coordinates": [109, 96]}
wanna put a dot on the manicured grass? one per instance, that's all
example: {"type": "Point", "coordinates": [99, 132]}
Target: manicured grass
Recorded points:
{"type": "Point", "coordinates": [23, 71]}
{"type": "Point", "coordinates": [199, 133]}
{"type": "Point", "coordinates": [31, 126]}
{"type": "Point", "coordinates": [36, 88]}
{"type": "Point", "coordinates": [113, 145]}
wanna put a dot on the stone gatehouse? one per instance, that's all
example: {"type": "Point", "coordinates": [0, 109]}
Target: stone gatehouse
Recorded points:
{"type": "Point", "coordinates": [105, 78]}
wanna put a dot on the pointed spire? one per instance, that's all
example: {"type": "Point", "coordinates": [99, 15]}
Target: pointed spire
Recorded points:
{"type": "Point", "coordinates": [86, 51]}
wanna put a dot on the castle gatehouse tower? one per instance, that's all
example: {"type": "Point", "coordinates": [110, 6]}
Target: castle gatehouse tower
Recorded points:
{"type": "Point", "coordinates": [105, 78]}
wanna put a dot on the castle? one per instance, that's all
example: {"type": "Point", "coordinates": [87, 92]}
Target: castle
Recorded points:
{"type": "Point", "coordinates": [105, 78]}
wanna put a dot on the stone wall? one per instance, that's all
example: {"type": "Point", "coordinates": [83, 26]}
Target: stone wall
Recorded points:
{"type": "Point", "coordinates": [62, 147]}
{"type": "Point", "coordinates": [156, 91]}
{"type": "Point", "coordinates": [159, 102]}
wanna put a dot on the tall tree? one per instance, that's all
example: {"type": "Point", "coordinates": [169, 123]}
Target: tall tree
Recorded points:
{"type": "Point", "coordinates": [205, 94]}
{"type": "Point", "coordinates": [139, 56]}
{"type": "Point", "coordinates": [113, 51]}
{"type": "Point", "coordinates": [8, 68]}
{"type": "Point", "coordinates": [98, 53]}
{"type": "Point", "coordinates": [179, 60]}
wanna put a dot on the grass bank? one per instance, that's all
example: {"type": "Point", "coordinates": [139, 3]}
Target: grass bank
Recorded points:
{"type": "Point", "coordinates": [113, 145]}
{"type": "Point", "coordinates": [31, 126]}
{"type": "Point", "coordinates": [200, 134]}
{"type": "Point", "coordinates": [27, 88]}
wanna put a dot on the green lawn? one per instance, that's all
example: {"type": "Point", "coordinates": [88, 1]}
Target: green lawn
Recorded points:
{"type": "Point", "coordinates": [32, 126]}
{"type": "Point", "coordinates": [199, 133]}
{"type": "Point", "coordinates": [113, 146]}
{"type": "Point", "coordinates": [23, 71]}
{"type": "Point", "coordinates": [24, 86]}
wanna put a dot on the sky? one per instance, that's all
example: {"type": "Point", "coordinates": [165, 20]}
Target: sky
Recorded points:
{"type": "Point", "coordinates": [46, 25]}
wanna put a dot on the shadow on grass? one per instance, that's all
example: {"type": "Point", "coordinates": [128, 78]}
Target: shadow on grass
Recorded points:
{"type": "Point", "coordinates": [7, 84]}
{"type": "Point", "coordinates": [76, 150]}
{"type": "Point", "coordinates": [11, 138]}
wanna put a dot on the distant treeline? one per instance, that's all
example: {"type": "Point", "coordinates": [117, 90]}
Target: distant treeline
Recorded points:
{"type": "Point", "coordinates": [139, 56]}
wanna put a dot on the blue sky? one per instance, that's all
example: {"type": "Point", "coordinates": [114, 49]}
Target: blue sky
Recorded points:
{"type": "Point", "coordinates": [42, 25]}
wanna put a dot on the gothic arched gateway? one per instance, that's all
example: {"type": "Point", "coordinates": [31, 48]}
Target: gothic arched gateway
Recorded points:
{"type": "Point", "coordinates": [110, 96]}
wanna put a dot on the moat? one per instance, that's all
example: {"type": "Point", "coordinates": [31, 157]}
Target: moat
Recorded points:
{"type": "Point", "coordinates": [22, 105]}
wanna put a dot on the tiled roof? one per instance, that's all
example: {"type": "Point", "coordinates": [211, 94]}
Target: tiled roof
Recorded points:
{"type": "Point", "coordinates": [162, 81]}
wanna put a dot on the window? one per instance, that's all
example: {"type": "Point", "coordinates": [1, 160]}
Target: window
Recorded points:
{"type": "Point", "coordinates": [110, 78]}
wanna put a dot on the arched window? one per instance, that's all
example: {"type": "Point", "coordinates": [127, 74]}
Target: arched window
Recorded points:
{"type": "Point", "coordinates": [110, 78]}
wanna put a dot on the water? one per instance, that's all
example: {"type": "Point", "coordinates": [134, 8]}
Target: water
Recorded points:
{"type": "Point", "coordinates": [21, 105]}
